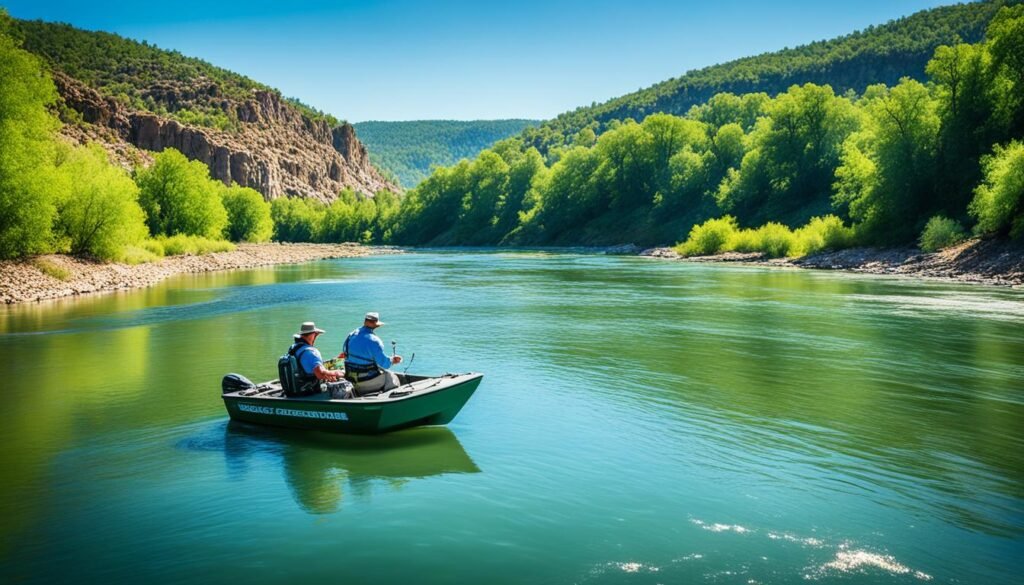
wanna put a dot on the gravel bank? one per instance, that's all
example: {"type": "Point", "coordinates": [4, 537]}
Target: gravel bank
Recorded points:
{"type": "Point", "coordinates": [24, 281]}
{"type": "Point", "coordinates": [993, 262]}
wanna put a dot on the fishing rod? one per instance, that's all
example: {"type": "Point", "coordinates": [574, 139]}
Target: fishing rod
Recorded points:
{"type": "Point", "coordinates": [394, 344]}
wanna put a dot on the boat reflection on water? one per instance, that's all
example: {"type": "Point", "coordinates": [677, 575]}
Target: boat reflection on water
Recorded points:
{"type": "Point", "coordinates": [321, 469]}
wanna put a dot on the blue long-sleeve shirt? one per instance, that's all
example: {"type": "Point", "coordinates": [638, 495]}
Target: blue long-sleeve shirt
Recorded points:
{"type": "Point", "coordinates": [363, 348]}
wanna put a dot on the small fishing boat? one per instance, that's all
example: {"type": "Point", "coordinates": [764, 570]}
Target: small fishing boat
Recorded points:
{"type": "Point", "coordinates": [417, 401]}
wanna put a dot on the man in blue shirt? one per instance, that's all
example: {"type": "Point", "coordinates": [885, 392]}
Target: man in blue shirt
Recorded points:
{"type": "Point", "coordinates": [311, 365]}
{"type": "Point", "coordinates": [366, 363]}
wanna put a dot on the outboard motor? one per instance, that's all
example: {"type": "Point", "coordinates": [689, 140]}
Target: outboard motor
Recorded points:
{"type": "Point", "coordinates": [235, 383]}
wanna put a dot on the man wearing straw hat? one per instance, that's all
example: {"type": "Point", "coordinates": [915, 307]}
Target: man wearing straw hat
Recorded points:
{"type": "Point", "coordinates": [311, 365]}
{"type": "Point", "coordinates": [366, 363]}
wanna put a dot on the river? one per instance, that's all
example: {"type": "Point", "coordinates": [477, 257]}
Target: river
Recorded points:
{"type": "Point", "coordinates": [639, 421]}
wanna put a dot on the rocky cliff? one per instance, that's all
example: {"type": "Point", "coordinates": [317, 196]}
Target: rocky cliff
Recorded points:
{"type": "Point", "coordinates": [271, 145]}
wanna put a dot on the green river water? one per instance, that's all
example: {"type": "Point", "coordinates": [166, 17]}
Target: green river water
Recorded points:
{"type": "Point", "coordinates": [639, 422]}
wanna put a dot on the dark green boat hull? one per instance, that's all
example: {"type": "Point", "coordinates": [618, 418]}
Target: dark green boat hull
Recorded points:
{"type": "Point", "coordinates": [437, 405]}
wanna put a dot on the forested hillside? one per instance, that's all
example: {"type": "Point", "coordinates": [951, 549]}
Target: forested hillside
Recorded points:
{"type": "Point", "coordinates": [129, 71]}
{"type": "Point", "coordinates": [879, 54]}
{"type": "Point", "coordinates": [884, 166]}
{"type": "Point", "coordinates": [134, 98]}
{"type": "Point", "coordinates": [98, 166]}
{"type": "Point", "coordinates": [409, 150]}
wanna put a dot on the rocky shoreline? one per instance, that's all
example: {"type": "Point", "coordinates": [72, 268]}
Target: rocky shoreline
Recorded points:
{"type": "Point", "coordinates": [990, 262]}
{"type": "Point", "coordinates": [24, 281]}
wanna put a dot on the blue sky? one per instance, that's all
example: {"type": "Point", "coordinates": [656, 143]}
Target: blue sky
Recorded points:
{"type": "Point", "coordinates": [404, 60]}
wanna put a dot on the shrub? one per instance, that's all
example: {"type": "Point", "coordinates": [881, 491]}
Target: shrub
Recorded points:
{"type": "Point", "coordinates": [248, 215]}
{"type": "Point", "coordinates": [823, 233]}
{"type": "Point", "coordinates": [999, 201]}
{"type": "Point", "coordinates": [710, 237]}
{"type": "Point", "coordinates": [137, 255]}
{"type": "Point", "coordinates": [182, 245]}
{"type": "Point", "coordinates": [941, 232]}
{"type": "Point", "coordinates": [153, 247]}
{"type": "Point", "coordinates": [775, 240]}
{"type": "Point", "coordinates": [744, 241]}
{"type": "Point", "coordinates": [50, 268]}
{"type": "Point", "coordinates": [179, 197]}
{"type": "Point", "coordinates": [100, 214]}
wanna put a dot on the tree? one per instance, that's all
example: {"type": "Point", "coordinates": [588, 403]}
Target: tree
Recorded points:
{"type": "Point", "coordinates": [100, 214]}
{"type": "Point", "coordinates": [249, 217]}
{"type": "Point", "coordinates": [888, 173]}
{"type": "Point", "coordinates": [800, 142]}
{"type": "Point", "coordinates": [1006, 45]}
{"type": "Point", "coordinates": [179, 197]}
{"type": "Point", "coordinates": [525, 175]}
{"type": "Point", "coordinates": [488, 182]}
{"type": "Point", "coordinates": [965, 85]}
{"type": "Point", "coordinates": [296, 219]}
{"type": "Point", "coordinates": [999, 201]}
{"type": "Point", "coordinates": [29, 183]}
{"type": "Point", "coordinates": [568, 198]}
{"type": "Point", "coordinates": [625, 176]}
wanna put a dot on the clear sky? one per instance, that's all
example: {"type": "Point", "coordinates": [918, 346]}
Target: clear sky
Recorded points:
{"type": "Point", "coordinates": [405, 60]}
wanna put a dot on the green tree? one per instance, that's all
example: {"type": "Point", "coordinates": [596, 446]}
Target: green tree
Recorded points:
{"type": "Point", "coordinates": [625, 175]}
{"type": "Point", "coordinates": [179, 197]}
{"type": "Point", "coordinates": [100, 214]}
{"type": "Point", "coordinates": [889, 168]}
{"type": "Point", "coordinates": [249, 217]}
{"type": "Point", "coordinates": [339, 223]}
{"type": "Point", "coordinates": [29, 183]}
{"type": "Point", "coordinates": [525, 175]}
{"type": "Point", "coordinates": [798, 145]}
{"type": "Point", "coordinates": [999, 201]}
{"type": "Point", "coordinates": [296, 219]}
{"type": "Point", "coordinates": [1006, 45]}
{"type": "Point", "coordinates": [965, 85]}
{"type": "Point", "coordinates": [488, 183]}
{"type": "Point", "coordinates": [568, 198]}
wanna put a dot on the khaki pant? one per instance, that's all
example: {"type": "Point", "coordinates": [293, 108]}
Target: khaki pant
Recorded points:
{"type": "Point", "coordinates": [386, 381]}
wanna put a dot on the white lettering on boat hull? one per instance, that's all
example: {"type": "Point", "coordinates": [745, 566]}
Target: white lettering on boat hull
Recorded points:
{"type": "Point", "coordinates": [257, 409]}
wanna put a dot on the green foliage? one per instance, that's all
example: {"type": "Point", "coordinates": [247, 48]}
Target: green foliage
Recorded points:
{"type": "Point", "coordinates": [248, 215]}
{"type": "Point", "coordinates": [148, 251]}
{"type": "Point", "coordinates": [209, 118]}
{"type": "Point", "coordinates": [885, 161]}
{"type": "Point", "coordinates": [100, 214]}
{"type": "Point", "coordinates": [821, 234]}
{"type": "Point", "coordinates": [878, 54]}
{"type": "Point", "coordinates": [190, 245]}
{"type": "Point", "coordinates": [313, 113]}
{"type": "Point", "coordinates": [409, 150]}
{"type": "Point", "coordinates": [29, 183]}
{"type": "Point", "coordinates": [179, 197]}
{"type": "Point", "coordinates": [139, 75]}
{"type": "Point", "coordinates": [795, 149]}
{"type": "Point", "coordinates": [889, 168]}
{"type": "Point", "coordinates": [51, 269]}
{"type": "Point", "coordinates": [295, 219]}
{"type": "Point", "coordinates": [711, 237]}
{"type": "Point", "coordinates": [773, 239]}
{"type": "Point", "coordinates": [941, 232]}
{"type": "Point", "coordinates": [1006, 47]}
{"type": "Point", "coordinates": [999, 201]}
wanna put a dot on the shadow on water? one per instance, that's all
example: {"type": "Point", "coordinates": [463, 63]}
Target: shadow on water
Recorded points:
{"type": "Point", "coordinates": [320, 468]}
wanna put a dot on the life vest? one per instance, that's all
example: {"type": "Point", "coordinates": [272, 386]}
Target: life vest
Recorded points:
{"type": "Point", "coordinates": [359, 372]}
{"type": "Point", "coordinates": [295, 381]}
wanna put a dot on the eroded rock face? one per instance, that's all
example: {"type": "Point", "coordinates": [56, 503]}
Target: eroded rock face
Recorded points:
{"type": "Point", "coordinates": [277, 151]}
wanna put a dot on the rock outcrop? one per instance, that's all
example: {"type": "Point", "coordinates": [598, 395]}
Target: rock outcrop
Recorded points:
{"type": "Point", "coordinates": [276, 149]}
